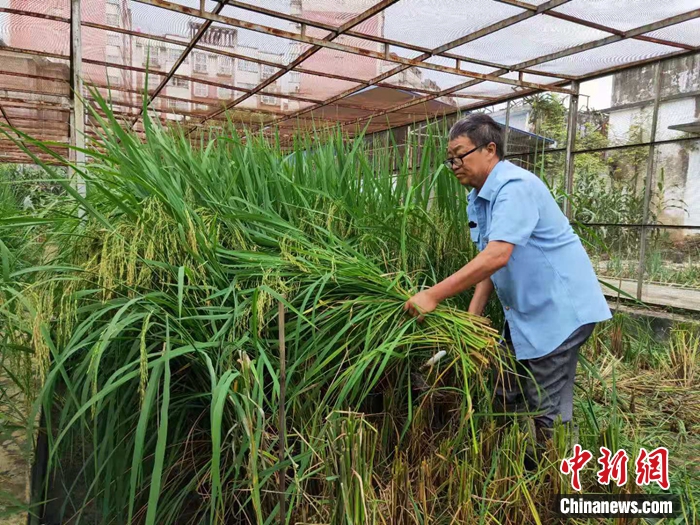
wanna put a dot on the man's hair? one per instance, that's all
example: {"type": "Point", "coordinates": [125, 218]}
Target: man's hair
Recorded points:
{"type": "Point", "coordinates": [480, 129]}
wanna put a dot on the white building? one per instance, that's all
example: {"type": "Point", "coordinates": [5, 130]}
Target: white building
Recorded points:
{"type": "Point", "coordinates": [630, 122]}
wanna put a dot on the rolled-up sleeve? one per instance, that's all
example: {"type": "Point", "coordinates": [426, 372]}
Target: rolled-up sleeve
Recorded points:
{"type": "Point", "coordinates": [514, 214]}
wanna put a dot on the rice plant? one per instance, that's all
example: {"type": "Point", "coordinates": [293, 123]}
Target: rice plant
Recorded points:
{"type": "Point", "coordinates": [153, 324]}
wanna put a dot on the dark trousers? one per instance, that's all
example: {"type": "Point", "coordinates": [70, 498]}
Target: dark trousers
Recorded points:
{"type": "Point", "coordinates": [543, 386]}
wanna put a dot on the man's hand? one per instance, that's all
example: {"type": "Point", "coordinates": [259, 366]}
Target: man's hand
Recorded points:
{"type": "Point", "coordinates": [420, 304]}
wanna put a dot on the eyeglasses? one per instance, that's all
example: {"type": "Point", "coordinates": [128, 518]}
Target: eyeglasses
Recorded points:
{"type": "Point", "coordinates": [455, 162]}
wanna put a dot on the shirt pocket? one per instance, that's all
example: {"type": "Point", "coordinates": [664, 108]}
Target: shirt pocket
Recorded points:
{"type": "Point", "coordinates": [474, 232]}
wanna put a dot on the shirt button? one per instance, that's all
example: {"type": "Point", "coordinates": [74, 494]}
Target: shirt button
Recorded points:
{"type": "Point", "coordinates": [507, 307]}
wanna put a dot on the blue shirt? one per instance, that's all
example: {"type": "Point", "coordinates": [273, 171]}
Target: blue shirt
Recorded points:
{"type": "Point", "coordinates": [548, 287]}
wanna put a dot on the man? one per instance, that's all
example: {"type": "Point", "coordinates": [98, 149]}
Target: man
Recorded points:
{"type": "Point", "coordinates": [531, 257]}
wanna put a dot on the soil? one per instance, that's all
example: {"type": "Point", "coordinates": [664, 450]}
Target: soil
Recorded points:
{"type": "Point", "coordinates": [14, 467]}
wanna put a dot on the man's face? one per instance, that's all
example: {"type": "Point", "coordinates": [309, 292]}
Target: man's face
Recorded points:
{"type": "Point", "coordinates": [473, 169]}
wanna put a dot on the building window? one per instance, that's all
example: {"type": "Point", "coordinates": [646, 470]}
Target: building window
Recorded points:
{"type": "Point", "coordinates": [224, 93]}
{"type": "Point", "coordinates": [114, 39]}
{"type": "Point", "coordinates": [201, 90]}
{"type": "Point", "coordinates": [178, 104]}
{"type": "Point", "coordinates": [114, 59]}
{"type": "Point", "coordinates": [114, 80]}
{"type": "Point", "coordinates": [173, 54]}
{"type": "Point", "coordinates": [245, 65]}
{"type": "Point", "coordinates": [246, 86]}
{"type": "Point", "coordinates": [151, 60]}
{"type": "Point", "coordinates": [112, 19]}
{"type": "Point", "coordinates": [113, 2]}
{"type": "Point", "coordinates": [200, 63]}
{"type": "Point", "coordinates": [225, 65]}
{"type": "Point", "coordinates": [267, 72]}
{"type": "Point", "coordinates": [202, 107]}
{"type": "Point", "coordinates": [180, 82]}
{"type": "Point", "coordinates": [268, 100]}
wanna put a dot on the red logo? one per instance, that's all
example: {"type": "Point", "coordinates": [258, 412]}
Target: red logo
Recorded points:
{"type": "Point", "coordinates": [649, 467]}
{"type": "Point", "coordinates": [653, 466]}
{"type": "Point", "coordinates": [574, 464]}
{"type": "Point", "coordinates": [614, 468]}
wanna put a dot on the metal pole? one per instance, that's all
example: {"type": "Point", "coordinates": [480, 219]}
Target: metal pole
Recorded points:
{"type": "Point", "coordinates": [77, 115]}
{"type": "Point", "coordinates": [507, 131]}
{"type": "Point", "coordinates": [570, 144]}
{"type": "Point", "coordinates": [282, 415]}
{"type": "Point", "coordinates": [648, 181]}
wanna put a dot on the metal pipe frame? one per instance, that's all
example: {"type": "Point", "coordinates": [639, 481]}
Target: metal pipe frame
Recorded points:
{"type": "Point", "coordinates": [346, 30]}
{"type": "Point", "coordinates": [570, 145]}
{"type": "Point", "coordinates": [611, 148]}
{"type": "Point", "coordinates": [77, 115]}
{"type": "Point", "coordinates": [183, 56]}
{"type": "Point", "coordinates": [648, 181]}
{"type": "Point", "coordinates": [328, 43]}
{"type": "Point", "coordinates": [643, 29]}
{"type": "Point", "coordinates": [506, 133]}
{"type": "Point", "coordinates": [450, 45]}
{"type": "Point", "coordinates": [309, 52]}
{"type": "Point", "coordinates": [281, 16]}
{"type": "Point", "coordinates": [36, 77]}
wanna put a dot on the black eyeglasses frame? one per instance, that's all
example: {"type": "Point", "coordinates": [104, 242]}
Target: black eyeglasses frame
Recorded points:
{"type": "Point", "coordinates": [450, 163]}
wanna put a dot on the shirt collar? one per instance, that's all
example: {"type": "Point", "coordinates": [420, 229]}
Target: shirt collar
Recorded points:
{"type": "Point", "coordinates": [490, 184]}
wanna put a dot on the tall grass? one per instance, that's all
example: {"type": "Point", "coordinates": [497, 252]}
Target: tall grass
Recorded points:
{"type": "Point", "coordinates": [153, 322]}
{"type": "Point", "coordinates": [153, 330]}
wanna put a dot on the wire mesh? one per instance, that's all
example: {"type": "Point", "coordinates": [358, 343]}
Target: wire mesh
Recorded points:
{"type": "Point", "coordinates": [625, 14]}
{"type": "Point", "coordinates": [687, 33]}
{"type": "Point", "coordinates": [247, 15]}
{"type": "Point", "coordinates": [140, 17]}
{"type": "Point", "coordinates": [675, 195]}
{"type": "Point", "coordinates": [674, 113]}
{"type": "Point", "coordinates": [536, 36]}
{"type": "Point", "coordinates": [360, 77]}
{"type": "Point", "coordinates": [313, 86]}
{"type": "Point", "coordinates": [414, 21]}
{"type": "Point", "coordinates": [605, 57]}
{"type": "Point", "coordinates": [318, 10]}
{"type": "Point", "coordinates": [671, 261]}
{"type": "Point", "coordinates": [536, 124]}
{"type": "Point", "coordinates": [20, 31]}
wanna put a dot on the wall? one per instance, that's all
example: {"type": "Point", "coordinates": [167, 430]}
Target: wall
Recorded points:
{"type": "Point", "coordinates": [680, 104]}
